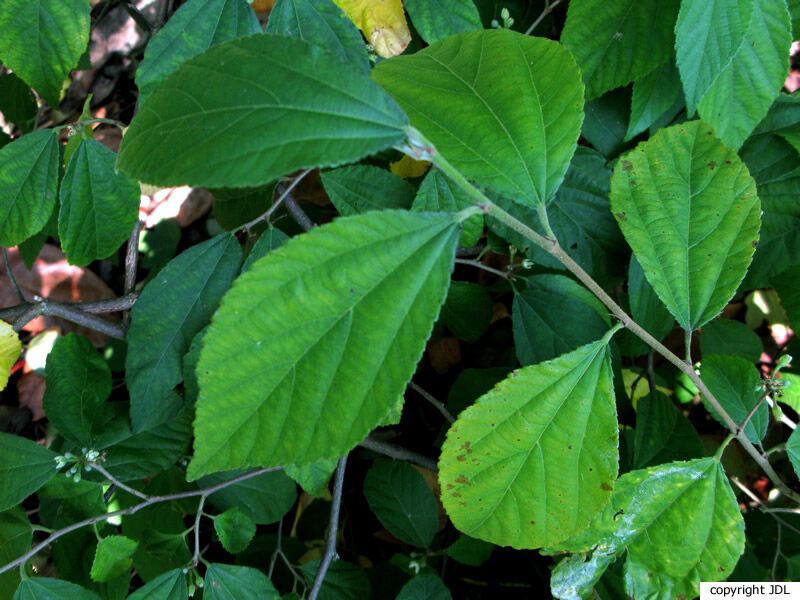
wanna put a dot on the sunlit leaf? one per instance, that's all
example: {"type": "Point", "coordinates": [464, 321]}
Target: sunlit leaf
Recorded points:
{"type": "Point", "coordinates": [10, 347]}
{"type": "Point", "coordinates": [383, 23]}
{"type": "Point", "coordinates": [113, 557]}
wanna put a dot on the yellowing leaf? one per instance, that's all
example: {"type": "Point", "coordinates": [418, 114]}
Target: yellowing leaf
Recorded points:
{"type": "Point", "coordinates": [408, 167]}
{"type": "Point", "coordinates": [383, 23]}
{"type": "Point", "coordinates": [9, 351]}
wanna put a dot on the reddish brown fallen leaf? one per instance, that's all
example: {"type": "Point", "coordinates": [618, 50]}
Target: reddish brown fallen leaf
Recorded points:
{"type": "Point", "coordinates": [30, 387]}
{"type": "Point", "coordinates": [53, 278]}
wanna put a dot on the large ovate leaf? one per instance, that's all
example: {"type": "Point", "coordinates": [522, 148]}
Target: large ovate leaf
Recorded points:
{"type": "Point", "coordinates": [194, 28]}
{"type": "Point", "coordinates": [98, 204]}
{"type": "Point", "coordinates": [16, 536]}
{"type": "Point", "coordinates": [534, 459]}
{"type": "Point", "coordinates": [438, 19]}
{"type": "Point", "coordinates": [268, 105]}
{"type": "Point", "coordinates": [688, 207]}
{"type": "Point", "coordinates": [404, 504]}
{"type": "Point", "coordinates": [42, 41]}
{"type": "Point", "coordinates": [618, 42]}
{"type": "Point", "coordinates": [736, 384]}
{"type": "Point", "coordinates": [26, 466]}
{"type": "Point", "coordinates": [45, 588]}
{"type": "Point", "coordinates": [732, 58]}
{"type": "Point", "coordinates": [171, 310]}
{"type": "Point", "coordinates": [686, 505]}
{"type": "Point", "coordinates": [10, 347]}
{"type": "Point", "coordinates": [231, 582]}
{"type": "Point", "coordinates": [321, 23]}
{"type": "Point", "coordinates": [28, 185]}
{"type": "Point", "coordinates": [512, 128]}
{"type": "Point", "coordinates": [78, 384]}
{"type": "Point", "coordinates": [316, 341]}
{"type": "Point", "coordinates": [361, 188]}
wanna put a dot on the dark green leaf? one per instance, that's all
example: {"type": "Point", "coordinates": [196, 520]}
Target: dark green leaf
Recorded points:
{"type": "Point", "coordinates": [361, 188]}
{"type": "Point", "coordinates": [195, 27]}
{"type": "Point", "coordinates": [173, 307]}
{"type": "Point", "coordinates": [470, 551]}
{"type": "Point", "coordinates": [688, 207]}
{"type": "Point", "coordinates": [606, 122]}
{"type": "Point", "coordinates": [322, 23]}
{"type": "Point", "coordinates": [16, 537]}
{"type": "Point", "coordinates": [663, 434]}
{"type": "Point", "coordinates": [438, 193]}
{"type": "Point", "coordinates": [26, 466]}
{"type": "Point", "coordinates": [467, 311]}
{"type": "Point", "coordinates": [78, 384]}
{"type": "Point", "coordinates": [269, 240]}
{"type": "Point", "coordinates": [17, 102]}
{"type": "Point", "coordinates": [733, 71]}
{"type": "Point", "coordinates": [787, 284]}
{"type": "Point", "coordinates": [619, 42]}
{"type": "Point", "coordinates": [353, 341]}
{"type": "Point", "coordinates": [99, 205]}
{"type": "Point", "coordinates": [264, 498]}
{"type": "Point", "coordinates": [235, 529]}
{"type": "Point", "coordinates": [427, 586]}
{"type": "Point", "coordinates": [313, 478]}
{"type": "Point", "coordinates": [231, 582]}
{"type": "Point", "coordinates": [190, 388]}
{"type": "Point", "coordinates": [168, 586]}
{"type": "Point", "coordinates": [724, 336]}
{"type": "Point", "coordinates": [513, 129]}
{"type": "Point", "coordinates": [554, 315]}
{"type": "Point", "coordinates": [646, 307]}
{"type": "Point", "coordinates": [284, 88]}
{"type": "Point", "coordinates": [343, 581]}
{"type": "Point", "coordinates": [44, 588]}
{"type": "Point", "coordinates": [534, 459]}
{"type": "Point", "coordinates": [28, 185]}
{"type": "Point", "coordinates": [113, 557]}
{"type": "Point", "coordinates": [43, 40]}
{"type": "Point", "coordinates": [653, 95]}
{"type": "Point", "coordinates": [402, 501]}
{"type": "Point", "coordinates": [736, 383]}
{"type": "Point", "coordinates": [471, 384]}
{"type": "Point", "coordinates": [436, 20]}
{"type": "Point", "coordinates": [233, 207]}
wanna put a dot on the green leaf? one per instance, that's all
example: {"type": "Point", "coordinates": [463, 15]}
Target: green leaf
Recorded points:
{"type": "Point", "coordinates": [78, 384]}
{"type": "Point", "coordinates": [17, 102]}
{"type": "Point", "coordinates": [172, 308]}
{"type": "Point", "coordinates": [231, 582]}
{"type": "Point", "coordinates": [314, 477]}
{"type": "Point", "coordinates": [533, 460]}
{"type": "Point", "coordinates": [26, 466]}
{"type": "Point", "coordinates": [732, 60]}
{"type": "Point", "coordinates": [98, 205]}
{"type": "Point", "coordinates": [736, 383]}
{"type": "Point", "coordinates": [354, 190]}
{"type": "Point", "coordinates": [235, 530]}
{"type": "Point", "coordinates": [686, 505]}
{"type": "Point", "coordinates": [774, 165]}
{"type": "Point", "coordinates": [404, 504]}
{"type": "Point", "coordinates": [343, 581]}
{"type": "Point", "coordinates": [195, 27]}
{"type": "Point", "coordinates": [44, 588]}
{"type": "Point", "coordinates": [320, 364]}
{"type": "Point", "coordinates": [470, 551]}
{"type": "Point", "coordinates": [788, 288]}
{"type": "Point", "coordinates": [264, 498]}
{"type": "Point", "coordinates": [426, 586]}
{"type": "Point", "coordinates": [233, 207]}
{"type": "Point", "coordinates": [467, 311]}
{"type": "Point", "coordinates": [793, 450]}
{"type": "Point", "coordinates": [322, 23]}
{"type": "Point", "coordinates": [113, 557]}
{"type": "Point", "coordinates": [471, 384]}
{"type": "Point", "coordinates": [606, 122]}
{"type": "Point", "coordinates": [513, 129]}
{"type": "Point", "coordinates": [688, 207]}
{"type": "Point", "coordinates": [168, 586]}
{"type": "Point", "coordinates": [284, 89]}
{"type": "Point", "coordinates": [646, 308]}
{"type": "Point", "coordinates": [574, 577]}
{"type": "Point", "coordinates": [16, 537]}
{"type": "Point", "coordinates": [28, 185]}
{"type": "Point", "coordinates": [619, 42]}
{"type": "Point", "coordinates": [554, 315]}
{"type": "Point", "coordinates": [437, 20]}
{"type": "Point", "coordinates": [663, 434]}
{"type": "Point", "coordinates": [438, 193]}
{"type": "Point", "coordinates": [269, 240]}
{"type": "Point", "coordinates": [653, 95]}
{"type": "Point", "coordinates": [43, 40]}
{"type": "Point", "coordinates": [725, 336]}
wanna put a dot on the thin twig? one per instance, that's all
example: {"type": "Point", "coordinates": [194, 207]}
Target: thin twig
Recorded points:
{"type": "Point", "coordinates": [128, 511]}
{"type": "Point", "coordinates": [547, 10]}
{"type": "Point", "coordinates": [131, 265]}
{"type": "Point", "coordinates": [399, 453]}
{"type": "Point", "coordinates": [198, 516]}
{"type": "Point", "coordinates": [96, 307]}
{"type": "Point", "coordinates": [333, 526]}
{"type": "Point", "coordinates": [55, 309]}
{"type": "Point", "coordinates": [284, 195]}
{"type": "Point", "coordinates": [433, 401]}
{"type": "Point", "coordinates": [479, 265]}
{"type": "Point", "coordinates": [102, 470]}
{"type": "Point", "coordinates": [11, 277]}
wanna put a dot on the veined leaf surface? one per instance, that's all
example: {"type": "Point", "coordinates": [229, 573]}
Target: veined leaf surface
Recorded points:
{"type": "Point", "coordinates": [534, 459]}
{"type": "Point", "coordinates": [315, 343]}
{"type": "Point", "coordinates": [26, 467]}
{"type": "Point", "coordinates": [511, 126]}
{"type": "Point", "coordinates": [732, 60]}
{"type": "Point", "coordinates": [268, 105]}
{"type": "Point", "coordinates": [688, 207]}
{"type": "Point", "coordinates": [10, 347]}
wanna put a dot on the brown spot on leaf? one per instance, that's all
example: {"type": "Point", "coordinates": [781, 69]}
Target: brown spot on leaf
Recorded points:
{"type": "Point", "coordinates": [626, 165]}
{"type": "Point", "coordinates": [462, 479]}
{"type": "Point", "coordinates": [712, 165]}
{"type": "Point", "coordinates": [621, 216]}
{"type": "Point", "coordinates": [461, 457]}
{"type": "Point", "coordinates": [606, 487]}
